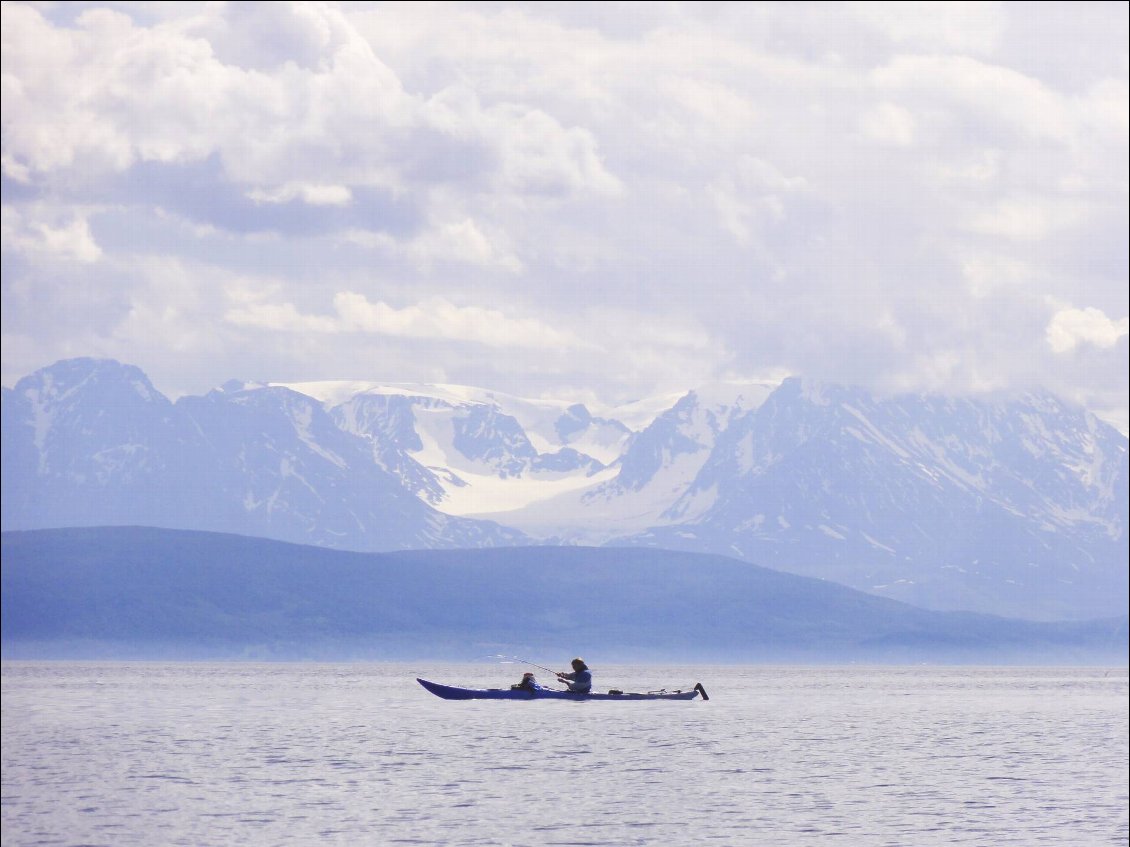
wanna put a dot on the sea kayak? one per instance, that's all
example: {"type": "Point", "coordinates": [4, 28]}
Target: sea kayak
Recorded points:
{"type": "Point", "coordinates": [448, 692]}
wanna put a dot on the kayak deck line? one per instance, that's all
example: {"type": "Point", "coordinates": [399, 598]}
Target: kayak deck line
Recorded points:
{"type": "Point", "coordinates": [450, 692]}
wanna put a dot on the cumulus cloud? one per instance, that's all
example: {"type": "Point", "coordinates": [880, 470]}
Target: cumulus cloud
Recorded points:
{"type": "Point", "coordinates": [754, 191]}
{"type": "Point", "coordinates": [1026, 219]}
{"type": "Point", "coordinates": [958, 26]}
{"type": "Point", "coordinates": [1072, 327]}
{"type": "Point", "coordinates": [105, 93]}
{"type": "Point", "coordinates": [315, 195]}
{"type": "Point", "coordinates": [50, 237]}
{"type": "Point", "coordinates": [108, 93]}
{"type": "Point", "coordinates": [627, 196]}
{"type": "Point", "coordinates": [432, 319]}
{"type": "Point", "coordinates": [459, 242]}
{"type": "Point", "coordinates": [993, 96]}
{"type": "Point", "coordinates": [889, 123]}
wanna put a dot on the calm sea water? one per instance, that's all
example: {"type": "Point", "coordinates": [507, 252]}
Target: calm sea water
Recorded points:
{"type": "Point", "coordinates": [227, 754]}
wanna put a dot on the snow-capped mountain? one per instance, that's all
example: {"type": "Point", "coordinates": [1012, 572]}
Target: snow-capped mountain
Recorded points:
{"type": "Point", "coordinates": [548, 425]}
{"type": "Point", "coordinates": [467, 451]}
{"type": "Point", "coordinates": [89, 443]}
{"type": "Point", "coordinates": [1006, 506]}
{"type": "Point", "coordinates": [656, 469]}
{"type": "Point", "coordinates": [1012, 505]}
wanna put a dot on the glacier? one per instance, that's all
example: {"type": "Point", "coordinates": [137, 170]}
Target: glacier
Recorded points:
{"type": "Point", "coordinates": [1007, 504]}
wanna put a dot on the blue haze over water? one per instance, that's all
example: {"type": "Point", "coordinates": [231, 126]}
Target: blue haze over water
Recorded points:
{"type": "Point", "coordinates": [287, 754]}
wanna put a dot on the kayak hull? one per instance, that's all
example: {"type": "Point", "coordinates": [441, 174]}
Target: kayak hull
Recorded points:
{"type": "Point", "coordinates": [449, 692]}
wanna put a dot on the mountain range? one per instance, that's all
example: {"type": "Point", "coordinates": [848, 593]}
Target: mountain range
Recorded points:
{"type": "Point", "coordinates": [1011, 505]}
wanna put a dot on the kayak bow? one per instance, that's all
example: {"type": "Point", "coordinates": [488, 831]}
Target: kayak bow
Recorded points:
{"type": "Point", "coordinates": [448, 692]}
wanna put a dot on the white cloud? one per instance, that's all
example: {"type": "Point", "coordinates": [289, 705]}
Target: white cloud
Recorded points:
{"type": "Point", "coordinates": [616, 198]}
{"type": "Point", "coordinates": [971, 89]}
{"type": "Point", "coordinates": [978, 172]}
{"type": "Point", "coordinates": [752, 195]}
{"type": "Point", "coordinates": [438, 318]}
{"type": "Point", "coordinates": [434, 319]}
{"type": "Point", "coordinates": [50, 236]}
{"type": "Point", "coordinates": [1071, 327]}
{"type": "Point", "coordinates": [1026, 219]}
{"type": "Point", "coordinates": [984, 273]}
{"type": "Point", "coordinates": [971, 27]}
{"type": "Point", "coordinates": [535, 153]}
{"type": "Point", "coordinates": [1106, 107]}
{"type": "Point", "coordinates": [459, 241]}
{"type": "Point", "coordinates": [110, 93]}
{"type": "Point", "coordinates": [718, 110]}
{"type": "Point", "coordinates": [281, 317]}
{"type": "Point", "coordinates": [735, 215]}
{"type": "Point", "coordinates": [315, 195]}
{"type": "Point", "coordinates": [622, 328]}
{"type": "Point", "coordinates": [104, 94]}
{"type": "Point", "coordinates": [889, 123]}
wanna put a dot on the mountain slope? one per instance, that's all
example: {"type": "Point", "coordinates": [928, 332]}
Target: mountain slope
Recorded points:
{"type": "Point", "coordinates": [1016, 506]}
{"type": "Point", "coordinates": [1012, 505]}
{"type": "Point", "coordinates": [460, 456]}
{"type": "Point", "coordinates": [657, 466]}
{"type": "Point", "coordinates": [146, 592]}
{"type": "Point", "coordinates": [93, 443]}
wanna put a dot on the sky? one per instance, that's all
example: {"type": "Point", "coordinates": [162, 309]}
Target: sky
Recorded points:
{"type": "Point", "coordinates": [593, 202]}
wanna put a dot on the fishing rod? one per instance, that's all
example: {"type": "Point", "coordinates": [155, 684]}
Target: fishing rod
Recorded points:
{"type": "Point", "coordinates": [532, 664]}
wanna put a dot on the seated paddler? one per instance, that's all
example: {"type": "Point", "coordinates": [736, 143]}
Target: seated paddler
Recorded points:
{"type": "Point", "coordinates": [580, 680]}
{"type": "Point", "coordinates": [529, 683]}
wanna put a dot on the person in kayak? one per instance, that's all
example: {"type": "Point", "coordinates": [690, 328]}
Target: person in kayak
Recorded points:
{"type": "Point", "coordinates": [529, 683]}
{"type": "Point", "coordinates": [580, 680]}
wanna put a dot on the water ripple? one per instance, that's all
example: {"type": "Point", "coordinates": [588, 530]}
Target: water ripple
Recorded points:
{"type": "Point", "coordinates": [281, 755]}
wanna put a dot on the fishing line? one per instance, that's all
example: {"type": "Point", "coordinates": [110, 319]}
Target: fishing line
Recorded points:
{"type": "Point", "coordinates": [528, 662]}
